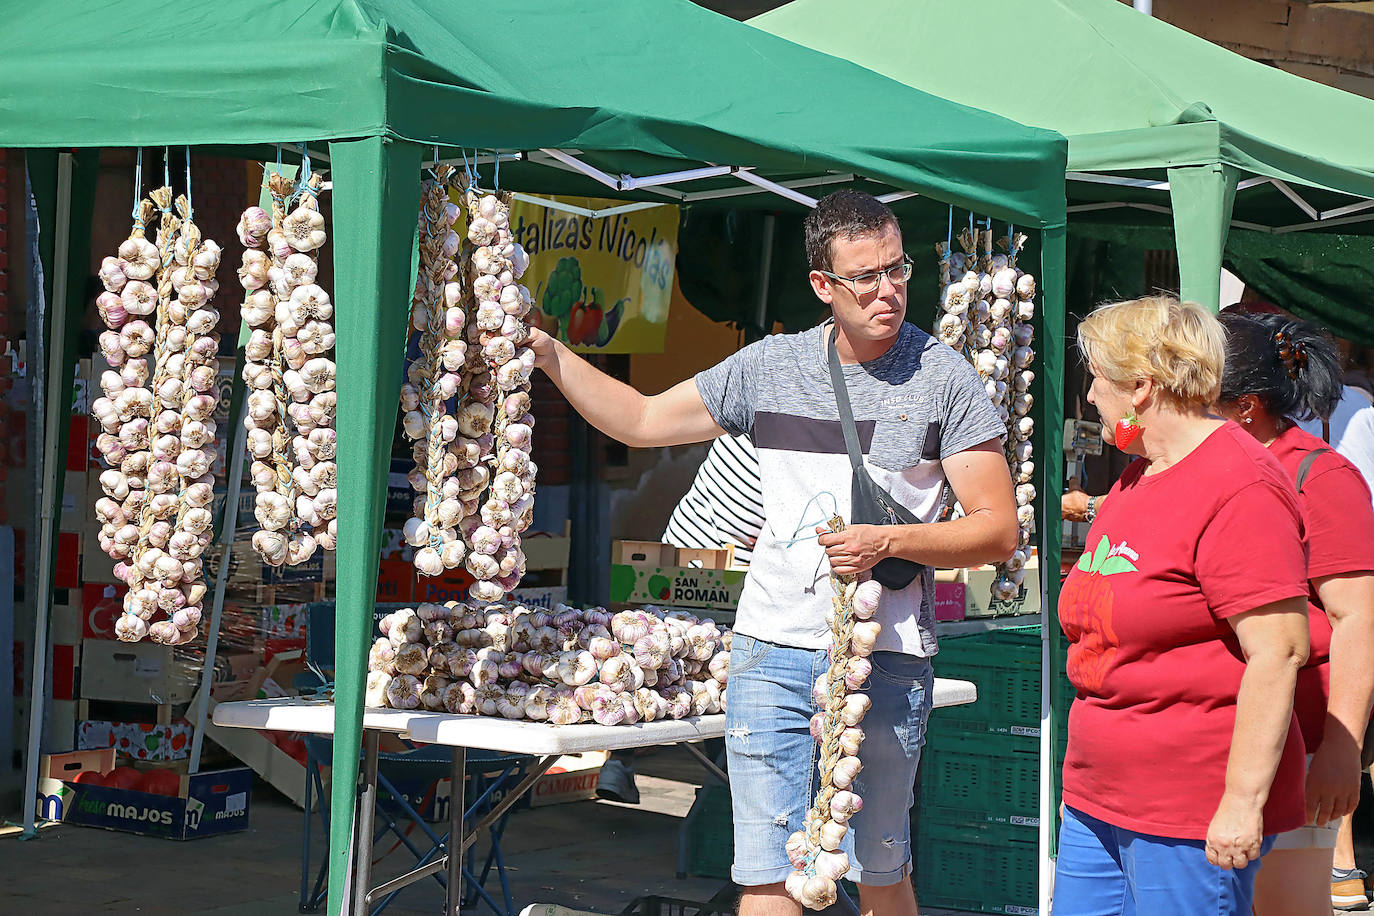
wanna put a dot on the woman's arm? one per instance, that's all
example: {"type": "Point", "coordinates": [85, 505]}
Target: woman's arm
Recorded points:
{"type": "Point", "coordinates": [1333, 780]}
{"type": "Point", "coordinates": [1274, 640]}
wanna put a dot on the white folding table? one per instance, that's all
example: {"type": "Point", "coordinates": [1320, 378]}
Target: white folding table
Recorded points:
{"type": "Point", "coordinates": [461, 732]}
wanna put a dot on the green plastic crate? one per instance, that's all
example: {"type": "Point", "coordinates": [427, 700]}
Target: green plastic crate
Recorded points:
{"type": "Point", "coordinates": [1005, 666]}
{"type": "Point", "coordinates": [711, 834]}
{"type": "Point", "coordinates": [981, 779]}
{"type": "Point", "coordinates": [988, 869]}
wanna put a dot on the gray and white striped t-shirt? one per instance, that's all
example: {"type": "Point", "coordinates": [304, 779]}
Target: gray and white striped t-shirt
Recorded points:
{"type": "Point", "coordinates": [725, 502]}
{"type": "Point", "coordinates": [916, 404]}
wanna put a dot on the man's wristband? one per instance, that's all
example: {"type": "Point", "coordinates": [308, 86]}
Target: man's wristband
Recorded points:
{"type": "Point", "coordinates": [1091, 512]}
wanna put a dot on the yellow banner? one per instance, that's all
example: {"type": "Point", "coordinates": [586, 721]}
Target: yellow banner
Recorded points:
{"type": "Point", "coordinates": [600, 285]}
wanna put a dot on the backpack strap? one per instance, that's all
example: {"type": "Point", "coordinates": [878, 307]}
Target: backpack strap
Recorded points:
{"type": "Point", "coordinates": [1306, 466]}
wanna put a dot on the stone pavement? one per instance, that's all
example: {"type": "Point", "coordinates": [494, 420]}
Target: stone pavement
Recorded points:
{"type": "Point", "coordinates": [593, 855]}
{"type": "Point", "coordinates": [596, 856]}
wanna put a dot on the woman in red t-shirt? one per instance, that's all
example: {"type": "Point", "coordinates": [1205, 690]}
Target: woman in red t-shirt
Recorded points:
{"type": "Point", "coordinates": [1279, 370]}
{"type": "Point", "coordinates": [1187, 623]}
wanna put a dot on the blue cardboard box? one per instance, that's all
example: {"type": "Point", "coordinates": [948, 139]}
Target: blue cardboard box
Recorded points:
{"type": "Point", "coordinates": [208, 804]}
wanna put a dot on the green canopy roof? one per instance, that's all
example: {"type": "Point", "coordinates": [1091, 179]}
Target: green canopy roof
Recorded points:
{"type": "Point", "coordinates": [1161, 124]}
{"type": "Point", "coordinates": [667, 79]}
{"type": "Point", "coordinates": [1128, 91]}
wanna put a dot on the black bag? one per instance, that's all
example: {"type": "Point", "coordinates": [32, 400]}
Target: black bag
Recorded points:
{"type": "Point", "coordinates": [870, 504]}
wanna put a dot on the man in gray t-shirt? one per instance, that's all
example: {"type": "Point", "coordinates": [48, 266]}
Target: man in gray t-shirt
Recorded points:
{"type": "Point", "coordinates": [923, 420]}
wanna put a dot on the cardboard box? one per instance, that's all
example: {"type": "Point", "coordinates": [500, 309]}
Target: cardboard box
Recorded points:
{"type": "Point", "coordinates": [573, 777]}
{"type": "Point", "coordinates": [101, 606]}
{"type": "Point", "coordinates": [950, 600]}
{"type": "Point", "coordinates": [676, 586]}
{"type": "Point", "coordinates": [699, 558]}
{"type": "Point", "coordinates": [283, 621]}
{"type": "Point", "coordinates": [636, 579]}
{"type": "Point", "coordinates": [137, 740]}
{"type": "Point", "coordinates": [395, 580]}
{"type": "Point", "coordinates": [57, 769]}
{"type": "Point", "coordinates": [207, 804]}
{"type": "Point", "coordinates": [643, 553]}
{"type": "Point", "coordinates": [546, 552]}
{"type": "Point", "coordinates": [979, 601]}
{"type": "Point", "coordinates": [450, 585]}
{"type": "Point", "coordinates": [136, 672]}
{"type": "Point", "coordinates": [541, 597]}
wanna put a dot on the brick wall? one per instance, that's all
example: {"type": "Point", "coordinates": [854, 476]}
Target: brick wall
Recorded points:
{"type": "Point", "coordinates": [220, 191]}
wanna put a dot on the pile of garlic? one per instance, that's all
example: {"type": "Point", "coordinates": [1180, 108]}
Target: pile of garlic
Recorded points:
{"type": "Point", "coordinates": [987, 313]}
{"type": "Point", "coordinates": [495, 419]}
{"type": "Point", "coordinates": [444, 462]}
{"type": "Point", "coordinates": [158, 436]}
{"type": "Point", "coordinates": [562, 666]}
{"type": "Point", "coordinates": [814, 851]}
{"type": "Point", "coordinates": [290, 375]}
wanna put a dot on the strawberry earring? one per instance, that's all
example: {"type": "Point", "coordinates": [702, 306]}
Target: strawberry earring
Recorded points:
{"type": "Point", "coordinates": [1127, 431]}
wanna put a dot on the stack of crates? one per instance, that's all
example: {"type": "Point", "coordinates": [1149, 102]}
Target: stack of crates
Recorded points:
{"type": "Point", "coordinates": [976, 821]}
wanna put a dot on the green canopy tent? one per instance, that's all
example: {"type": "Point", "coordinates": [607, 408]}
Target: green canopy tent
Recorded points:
{"type": "Point", "coordinates": [1162, 127]}
{"type": "Point", "coordinates": [663, 102]}
{"type": "Point", "coordinates": [1160, 124]}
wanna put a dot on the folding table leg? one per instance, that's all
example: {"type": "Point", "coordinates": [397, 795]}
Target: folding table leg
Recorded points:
{"type": "Point", "coordinates": [457, 804]}
{"type": "Point", "coordinates": [367, 812]}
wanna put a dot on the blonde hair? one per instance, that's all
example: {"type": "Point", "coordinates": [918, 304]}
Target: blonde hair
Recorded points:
{"type": "Point", "coordinates": [1180, 345]}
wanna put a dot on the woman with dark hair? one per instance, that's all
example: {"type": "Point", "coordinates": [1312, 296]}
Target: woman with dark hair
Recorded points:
{"type": "Point", "coordinates": [1279, 370]}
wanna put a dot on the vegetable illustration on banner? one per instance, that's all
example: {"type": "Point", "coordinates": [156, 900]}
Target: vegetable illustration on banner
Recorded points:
{"type": "Point", "coordinates": [600, 284]}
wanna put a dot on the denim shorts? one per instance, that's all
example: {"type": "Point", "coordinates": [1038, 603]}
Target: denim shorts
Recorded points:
{"type": "Point", "coordinates": [774, 761]}
{"type": "Point", "coordinates": [1110, 871]}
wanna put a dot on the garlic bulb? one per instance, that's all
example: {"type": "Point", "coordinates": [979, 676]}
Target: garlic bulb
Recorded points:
{"type": "Point", "coordinates": [155, 423]}
{"type": "Point", "coordinates": [815, 851]}
{"type": "Point", "coordinates": [520, 662]}
{"type": "Point", "coordinates": [424, 399]}
{"type": "Point", "coordinates": [473, 478]}
{"type": "Point", "coordinates": [290, 377]}
{"type": "Point", "coordinates": [990, 307]}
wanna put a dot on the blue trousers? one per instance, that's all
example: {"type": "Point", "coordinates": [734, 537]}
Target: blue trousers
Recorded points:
{"type": "Point", "coordinates": [1108, 871]}
{"type": "Point", "coordinates": [773, 774]}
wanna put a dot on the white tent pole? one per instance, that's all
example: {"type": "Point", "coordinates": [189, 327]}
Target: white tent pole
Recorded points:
{"type": "Point", "coordinates": [1048, 618]}
{"type": "Point", "coordinates": [53, 415]}
{"type": "Point", "coordinates": [778, 189]}
{"type": "Point", "coordinates": [233, 485]}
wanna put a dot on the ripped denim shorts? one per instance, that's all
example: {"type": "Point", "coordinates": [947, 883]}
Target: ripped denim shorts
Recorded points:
{"type": "Point", "coordinates": [773, 760]}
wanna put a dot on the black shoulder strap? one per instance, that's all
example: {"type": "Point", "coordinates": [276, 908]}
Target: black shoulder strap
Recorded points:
{"type": "Point", "coordinates": [851, 432]}
{"type": "Point", "coordinates": [1305, 468]}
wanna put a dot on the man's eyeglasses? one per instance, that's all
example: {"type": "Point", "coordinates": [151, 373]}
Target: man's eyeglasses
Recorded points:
{"type": "Point", "coordinates": [864, 284]}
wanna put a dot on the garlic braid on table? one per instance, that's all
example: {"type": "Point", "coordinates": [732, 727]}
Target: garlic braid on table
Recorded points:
{"type": "Point", "coordinates": [495, 420]}
{"type": "Point", "coordinates": [814, 851]}
{"type": "Point", "coordinates": [290, 376]}
{"type": "Point", "coordinates": [438, 315]}
{"type": "Point", "coordinates": [165, 446]}
{"type": "Point", "coordinates": [562, 666]}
